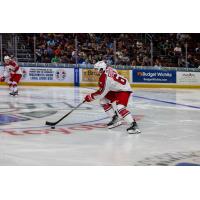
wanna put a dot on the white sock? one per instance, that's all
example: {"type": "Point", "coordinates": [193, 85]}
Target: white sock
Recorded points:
{"type": "Point", "coordinates": [110, 113]}
{"type": "Point", "coordinates": [129, 119]}
{"type": "Point", "coordinates": [11, 88]}
{"type": "Point", "coordinates": [15, 89]}
{"type": "Point", "coordinates": [124, 113]}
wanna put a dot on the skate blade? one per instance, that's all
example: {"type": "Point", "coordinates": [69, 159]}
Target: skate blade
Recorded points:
{"type": "Point", "coordinates": [13, 95]}
{"type": "Point", "coordinates": [136, 131]}
{"type": "Point", "coordinates": [115, 125]}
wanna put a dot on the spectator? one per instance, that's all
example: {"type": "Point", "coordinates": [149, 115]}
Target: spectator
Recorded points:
{"type": "Point", "coordinates": [146, 61]}
{"type": "Point", "coordinates": [46, 59]}
{"type": "Point", "coordinates": [55, 59]}
{"type": "Point", "coordinates": [177, 50]}
{"type": "Point", "coordinates": [157, 63]}
{"type": "Point", "coordinates": [57, 51]}
{"type": "Point", "coordinates": [133, 63]}
{"type": "Point", "coordinates": [38, 55]}
{"type": "Point", "coordinates": [51, 42]}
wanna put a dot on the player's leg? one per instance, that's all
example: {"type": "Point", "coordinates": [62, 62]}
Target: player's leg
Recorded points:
{"type": "Point", "coordinates": [109, 110]}
{"type": "Point", "coordinates": [126, 115]}
{"type": "Point", "coordinates": [15, 88]}
{"type": "Point", "coordinates": [9, 82]}
{"type": "Point", "coordinates": [115, 121]}
{"type": "Point", "coordinates": [107, 107]}
{"type": "Point", "coordinates": [15, 80]}
{"type": "Point", "coordinates": [122, 101]}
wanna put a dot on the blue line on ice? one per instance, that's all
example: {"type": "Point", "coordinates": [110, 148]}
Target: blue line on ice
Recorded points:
{"type": "Point", "coordinates": [162, 101]}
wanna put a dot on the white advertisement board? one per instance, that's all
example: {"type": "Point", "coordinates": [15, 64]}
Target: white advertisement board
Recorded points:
{"type": "Point", "coordinates": [188, 78]}
{"type": "Point", "coordinates": [1, 70]}
{"type": "Point", "coordinates": [41, 74]}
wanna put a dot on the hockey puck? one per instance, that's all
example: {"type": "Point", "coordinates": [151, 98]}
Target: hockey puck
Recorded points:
{"type": "Point", "coordinates": [53, 127]}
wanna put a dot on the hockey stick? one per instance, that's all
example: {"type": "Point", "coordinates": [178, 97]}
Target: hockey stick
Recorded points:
{"type": "Point", "coordinates": [52, 124]}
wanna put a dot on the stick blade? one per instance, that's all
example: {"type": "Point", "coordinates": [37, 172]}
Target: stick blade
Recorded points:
{"type": "Point", "coordinates": [50, 123]}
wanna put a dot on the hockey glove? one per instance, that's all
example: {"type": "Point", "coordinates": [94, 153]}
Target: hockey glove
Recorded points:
{"type": "Point", "coordinates": [88, 98]}
{"type": "Point", "coordinates": [2, 79]}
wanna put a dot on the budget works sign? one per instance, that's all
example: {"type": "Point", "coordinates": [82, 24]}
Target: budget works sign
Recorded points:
{"type": "Point", "coordinates": [153, 76]}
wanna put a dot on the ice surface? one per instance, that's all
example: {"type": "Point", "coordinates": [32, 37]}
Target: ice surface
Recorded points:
{"type": "Point", "coordinates": [168, 118]}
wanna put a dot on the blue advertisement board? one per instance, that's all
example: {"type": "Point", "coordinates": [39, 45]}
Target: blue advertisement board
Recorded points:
{"type": "Point", "coordinates": [154, 76]}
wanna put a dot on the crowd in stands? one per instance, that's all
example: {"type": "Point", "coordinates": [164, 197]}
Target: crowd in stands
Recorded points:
{"type": "Point", "coordinates": [174, 47]}
{"type": "Point", "coordinates": [121, 49]}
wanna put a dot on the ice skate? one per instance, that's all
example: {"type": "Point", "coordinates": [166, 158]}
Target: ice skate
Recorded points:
{"type": "Point", "coordinates": [133, 129]}
{"type": "Point", "coordinates": [13, 93]}
{"type": "Point", "coordinates": [114, 122]}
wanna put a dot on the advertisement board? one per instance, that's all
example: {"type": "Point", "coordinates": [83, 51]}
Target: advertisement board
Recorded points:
{"type": "Point", "coordinates": [62, 75]}
{"type": "Point", "coordinates": [1, 70]}
{"type": "Point", "coordinates": [124, 73]}
{"type": "Point", "coordinates": [91, 75]}
{"type": "Point", "coordinates": [153, 76]}
{"type": "Point", "coordinates": [188, 77]}
{"type": "Point", "coordinates": [41, 74]}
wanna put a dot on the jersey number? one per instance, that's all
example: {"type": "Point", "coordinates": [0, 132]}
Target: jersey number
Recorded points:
{"type": "Point", "coordinates": [119, 79]}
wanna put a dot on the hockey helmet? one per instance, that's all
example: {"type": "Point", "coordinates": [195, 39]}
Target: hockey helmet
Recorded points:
{"type": "Point", "coordinates": [100, 65]}
{"type": "Point", "coordinates": [6, 58]}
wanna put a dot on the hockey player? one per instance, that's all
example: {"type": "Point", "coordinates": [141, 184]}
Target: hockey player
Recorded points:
{"type": "Point", "coordinates": [11, 75]}
{"type": "Point", "coordinates": [114, 92]}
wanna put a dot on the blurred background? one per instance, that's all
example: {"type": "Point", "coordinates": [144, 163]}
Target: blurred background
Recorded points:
{"type": "Point", "coordinates": [127, 49]}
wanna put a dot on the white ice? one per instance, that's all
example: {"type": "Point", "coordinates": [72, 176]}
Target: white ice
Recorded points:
{"type": "Point", "coordinates": [168, 118]}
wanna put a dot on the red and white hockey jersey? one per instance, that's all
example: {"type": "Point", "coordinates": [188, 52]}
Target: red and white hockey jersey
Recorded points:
{"type": "Point", "coordinates": [11, 68]}
{"type": "Point", "coordinates": [110, 80]}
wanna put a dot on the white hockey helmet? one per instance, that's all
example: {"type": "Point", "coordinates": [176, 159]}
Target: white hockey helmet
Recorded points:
{"type": "Point", "coordinates": [6, 58]}
{"type": "Point", "coordinates": [100, 65]}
